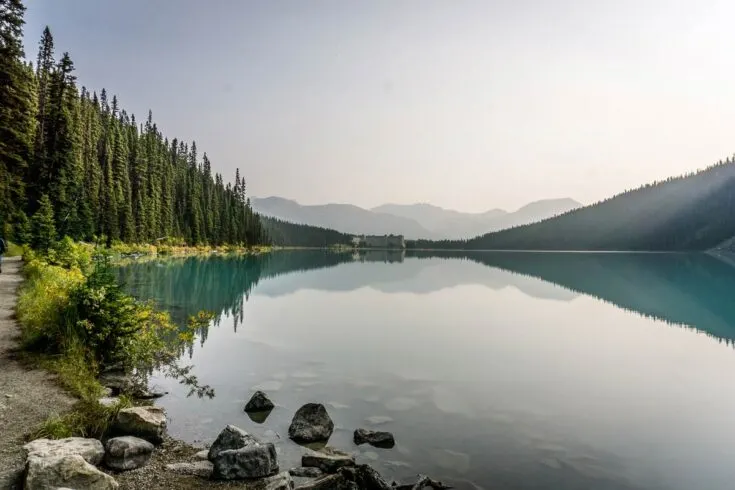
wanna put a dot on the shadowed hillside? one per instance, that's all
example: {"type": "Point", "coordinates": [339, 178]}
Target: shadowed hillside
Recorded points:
{"type": "Point", "coordinates": [689, 213]}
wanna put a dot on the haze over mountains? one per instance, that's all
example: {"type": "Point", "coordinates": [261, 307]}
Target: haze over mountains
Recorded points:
{"type": "Point", "coordinates": [411, 220]}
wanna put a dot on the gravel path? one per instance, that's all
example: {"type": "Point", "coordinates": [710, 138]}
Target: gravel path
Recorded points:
{"type": "Point", "coordinates": [27, 397]}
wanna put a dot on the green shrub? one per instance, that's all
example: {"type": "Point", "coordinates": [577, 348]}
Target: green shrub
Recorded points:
{"type": "Point", "coordinates": [44, 303]}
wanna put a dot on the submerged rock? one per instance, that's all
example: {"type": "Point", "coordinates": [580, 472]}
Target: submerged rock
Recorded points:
{"type": "Point", "coordinates": [311, 423]}
{"type": "Point", "coordinates": [254, 461]}
{"type": "Point", "coordinates": [127, 453]}
{"type": "Point", "coordinates": [90, 449]}
{"type": "Point", "coordinates": [69, 471]}
{"type": "Point", "coordinates": [149, 393]}
{"type": "Point", "coordinates": [375, 438]}
{"type": "Point", "coordinates": [302, 472]}
{"type": "Point", "coordinates": [259, 402]}
{"type": "Point", "coordinates": [201, 469]}
{"type": "Point", "coordinates": [231, 437]}
{"type": "Point", "coordinates": [329, 482]}
{"type": "Point", "coordinates": [328, 459]}
{"type": "Point", "coordinates": [148, 423]}
{"type": "Point", "coordinates": [259, 417]}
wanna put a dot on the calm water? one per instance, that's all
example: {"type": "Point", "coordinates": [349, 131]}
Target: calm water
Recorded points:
{"type": "Point", "coordinates": [494, 371]}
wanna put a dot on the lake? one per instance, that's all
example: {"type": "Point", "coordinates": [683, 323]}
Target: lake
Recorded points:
{"type": "Point", "coordinates": [493, 370]}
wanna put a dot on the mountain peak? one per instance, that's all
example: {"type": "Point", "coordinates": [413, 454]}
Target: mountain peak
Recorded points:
{"type": "Point", "coordinates": [417, 220]}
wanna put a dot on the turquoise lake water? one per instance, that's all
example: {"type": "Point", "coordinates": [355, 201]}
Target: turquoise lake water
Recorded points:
{"type": "Point", "coordinates": [493, 370]}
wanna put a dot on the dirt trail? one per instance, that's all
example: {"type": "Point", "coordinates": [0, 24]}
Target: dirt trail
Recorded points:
{"type": "Point", "coordinates": [27, 397]}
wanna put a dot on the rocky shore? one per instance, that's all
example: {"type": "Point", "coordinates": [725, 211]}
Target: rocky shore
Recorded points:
{"type": "Point", "coordinates": [139, 454]}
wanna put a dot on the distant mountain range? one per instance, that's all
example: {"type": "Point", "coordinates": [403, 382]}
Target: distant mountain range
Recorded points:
{"type": "Point", "coordinates": [694, 212]}
{"type": "Point", "coordinates": [411, 220]}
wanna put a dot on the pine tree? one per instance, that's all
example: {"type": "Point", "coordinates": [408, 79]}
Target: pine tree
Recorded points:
{"type": "Point", "coordinates": [17, 108]}
{"type": "Point", "coordinates": [43, 230]}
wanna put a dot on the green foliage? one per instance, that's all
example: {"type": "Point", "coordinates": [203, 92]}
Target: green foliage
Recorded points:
{"type": "Point", "coordinates": [287, 234]}
{"type": "Point", "coordinates": [72, 159]}
{"type": "Point", "coordinates": [43, 229]}
{"type": "Point", "coordinates": [107, 319]}
{"type": "Point", "coordinates": [43, 303]}
{"type": "Point", "coordinates": [14, 250]}
{"type": "Point", "coordinates": [21, 228]}
{"type": "Point", "coordinates": [71, 255]}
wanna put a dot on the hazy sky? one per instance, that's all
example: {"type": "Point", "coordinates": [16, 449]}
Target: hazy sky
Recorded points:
{"type": "Point", "coordinates": [464, 104]}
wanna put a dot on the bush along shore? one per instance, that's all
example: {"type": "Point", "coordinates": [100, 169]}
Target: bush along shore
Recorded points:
{"type": "Point", "coordinates": [102, 344]}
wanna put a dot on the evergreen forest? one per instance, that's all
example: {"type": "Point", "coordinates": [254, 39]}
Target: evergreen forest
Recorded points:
{"type": "Point", "coordinates": [74, 163]}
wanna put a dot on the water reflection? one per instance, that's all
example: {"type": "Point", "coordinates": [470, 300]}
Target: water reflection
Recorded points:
{"type": "Point", "coordinates": [691, 290]}
{"type": "Point", "coordinates": [494, 370]}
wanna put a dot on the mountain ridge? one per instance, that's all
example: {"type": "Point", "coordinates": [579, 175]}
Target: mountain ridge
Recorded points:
{"type": "Point", "coordinates": [414, 221]}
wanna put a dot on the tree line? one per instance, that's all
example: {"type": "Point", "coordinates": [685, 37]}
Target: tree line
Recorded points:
{"type": "Point", "coordinates": [693, 212]}
{"type": "Point", "coordinates": [74, 163]}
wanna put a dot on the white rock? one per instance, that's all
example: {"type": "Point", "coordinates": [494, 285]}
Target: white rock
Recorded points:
{"type": "Point", "coordinates": [148, 423]}
{"type": "Point", "coordinates": [69, 471]}
{"type": "Point", "coordinates": [90, 449]}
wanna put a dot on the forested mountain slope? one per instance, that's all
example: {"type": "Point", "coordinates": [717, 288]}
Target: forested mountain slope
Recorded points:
{"type": "Point", "coordinates": [80, 165]}
{"type": "Point", "coordinates": [283, 233]}
{"type": "Point", "coordinates": [691, 212]}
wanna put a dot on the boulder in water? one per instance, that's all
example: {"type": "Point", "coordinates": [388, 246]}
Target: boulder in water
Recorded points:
{"type": "Point", "coordinates": [328, 459]}
{"type": "Point", "coordinates": [375, 438]}
{"type": "Point", "coordinates": [311, 423]}
{"type": "Point", "coordinates": [259, 402]}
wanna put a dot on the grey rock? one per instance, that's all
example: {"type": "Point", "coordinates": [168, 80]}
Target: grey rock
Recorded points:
{"type": "Point", "coordinates": [203, 454]}
{"type": "Point", "coordinates": [201, 469]}
{"type": "Point", "coordinates": [90, 449]}
{"type": "Point", "coordinates": [127, 453]}
{"type": "Point", "coordinates": [281, 481]}
{"type": "Point", "coordinates": [259, 402]}
{"type": "Point", "coordinates": [328, 459]}
{"type": "Point", "coordinates": [311, 423]}
{"type": "Point", "coordinates": [148, 423]}
{"type": "Point", "coordinates": [231, 437]}
{"type": "Point", "coordinates": [365, 477]}
{"type": "Point", "coordinates": [375, 438]}
{"type": "Point", "coordinates": [423, 482]}
{"type": "Point", "coordinates": [329, 482]}
{"type": "Point", "coordinates": [70, 471]}
{"type": "Point", "coordinates": [254, 461]}
{"type": "Point", "coordinates": [149, 393]}
{"type": "Point", "coordinates": [117, 381]}
{"type": "Point", "coordinates": [302, 472]}
{"type": "Point", "coordinates": [108, 401]}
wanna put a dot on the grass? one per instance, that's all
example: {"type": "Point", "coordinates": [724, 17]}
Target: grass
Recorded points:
{"type": "Point", "coordinates": [87, 418]}
{"type": "Point", "coordinates": [13, 250]}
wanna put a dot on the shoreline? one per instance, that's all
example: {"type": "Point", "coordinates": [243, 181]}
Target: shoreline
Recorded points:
{"type": "Point", "coordinates": [29, 395]}
{"type": "Point", "coordinates": [35, 382]}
